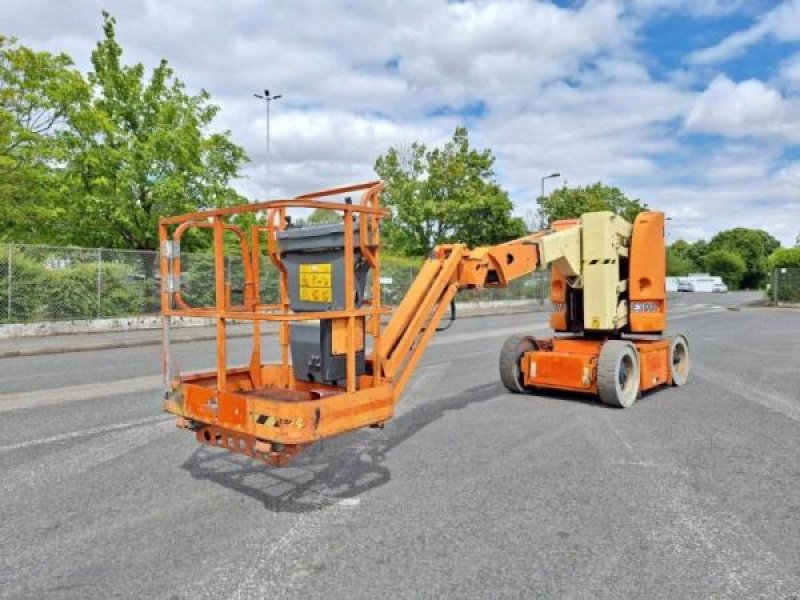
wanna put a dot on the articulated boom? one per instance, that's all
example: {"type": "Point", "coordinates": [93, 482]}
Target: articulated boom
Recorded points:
{"type": "Point", "coordinates": [339, 368]}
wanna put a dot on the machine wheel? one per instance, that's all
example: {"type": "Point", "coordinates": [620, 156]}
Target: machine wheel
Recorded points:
{"type": "Point", "coordinates": [618, 374]}
{"type": "Point", "coordinates": [510, 355]}
{"type": "Point", "coordinates": [680, 362]}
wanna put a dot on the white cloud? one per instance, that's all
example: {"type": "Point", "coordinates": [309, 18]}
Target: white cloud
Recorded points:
{"type": "Point", "coordinates": [748, 108]}
{"type": "Point", "coordinates": [700, 8]}
{"type": "Point", "coordinates": [564, 89]}
{"type": "Point", "coordinates": [781, 23]}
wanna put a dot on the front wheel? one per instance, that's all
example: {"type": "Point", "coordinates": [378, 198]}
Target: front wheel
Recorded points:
{"type": "Point", "coordinates": [618, 378]}
{"type": "Point", "coordinates": [510, 356]}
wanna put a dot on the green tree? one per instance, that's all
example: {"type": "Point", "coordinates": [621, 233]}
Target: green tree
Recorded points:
{"type": "Point", "coordinates": [696, 252]}
{"type": "Point", "coordinates": [39, 93]}
{"type": "Point", "coordinates": [442, 195]}
{"type": "Point", "coordinates": [678, 263]}
{"type": "Point", "coordinates": [139, 150]}
{"type": "Point", "coordinates": [570, 203]}
{"type": "Point", "coordinates": [784, 257]}
{"type": "Point", "coordinates": [728, 265]}
{"type": "Point", "coordinates": [322, 216]}
{"type": "Point", "coordinates": [753, 246]}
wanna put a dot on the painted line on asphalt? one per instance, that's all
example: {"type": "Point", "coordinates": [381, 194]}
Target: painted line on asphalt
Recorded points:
{"type": "Point", "coordinates": [695, 314]}
{"type": "Point", "coordinates": [740, 387]}
{"type": "Point", "coordinates": [457, 338]}
{"type": "Point", "coordinates": [75, 393]}
{"type": "Point", "coordinates": [68, 463]}
{"type": "Point", "coordinates": [86, 432]}
{"type": "Point", "coordinates": [700, 522]}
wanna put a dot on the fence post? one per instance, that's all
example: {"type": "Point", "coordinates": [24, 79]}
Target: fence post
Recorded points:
{"type": "Point", "coordinates": [775, 287]}
{"type": "Point", "coordinates": [541, 286]}
{"type": "Point", "coordinates": [99, 279]}
{"type": "Point", "coordinates": [10, 251]}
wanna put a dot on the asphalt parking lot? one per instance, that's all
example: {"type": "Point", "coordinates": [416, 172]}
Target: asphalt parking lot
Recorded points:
{"type": "Point", "coordinates": [469, 492]}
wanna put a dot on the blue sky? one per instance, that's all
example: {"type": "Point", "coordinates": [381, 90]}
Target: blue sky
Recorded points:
{"type": "Point", "coordinates": [691, 105]}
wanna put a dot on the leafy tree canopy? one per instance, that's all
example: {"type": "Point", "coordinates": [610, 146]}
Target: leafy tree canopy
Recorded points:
{"type": "Point", "coordinates": [443, 195]}
{"type": "Point", "coordinates": [39, 93]}
{"type": "Point", "coordinates": [728, 265]}
{"type": "Point", "coordinates": [321, 216]}
{"type": "Point", "coordinates": [112, 152]}
{"type": "Point", "coordinates": [784, 257]}
{"type": "Point", "coordinates": [678, 262]}
{"type": "Point", "coordinates": [570, 203]}
{"type": "Point", "coordinates": [753, 246]}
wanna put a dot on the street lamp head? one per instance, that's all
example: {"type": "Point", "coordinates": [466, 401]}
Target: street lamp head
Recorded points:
{"type": "Point", "coordinates": [555, 175]}
{"type": "Point", "coordinates": [259, 96]}
{"type": "Point", "coordinates": [278, 96]}
{"type": "Point", "coordinates": [266, 93]}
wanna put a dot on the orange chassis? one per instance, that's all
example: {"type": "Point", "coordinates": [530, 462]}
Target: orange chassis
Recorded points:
{"type": "Point", "coordinates": [570, 363]}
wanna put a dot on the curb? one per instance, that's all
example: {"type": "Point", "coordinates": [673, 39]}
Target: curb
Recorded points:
{"type": "Point", "coordinates": [205, 337]}
{"type": "Point", "coordinates": [113, 345]}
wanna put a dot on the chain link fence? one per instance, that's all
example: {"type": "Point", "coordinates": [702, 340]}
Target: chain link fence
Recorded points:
{"type": "Point", "coordinates": [785, 286]}
{"type": "Point", "coordinates": [51, 283]}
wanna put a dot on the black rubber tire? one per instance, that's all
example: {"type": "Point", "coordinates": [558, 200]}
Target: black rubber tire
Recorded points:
{"type": "Point", "coordinates": [680, 360]}
{"type": "Point", "coordinates": [510, 355]}
{"type": "Point", "coordinates": [618, 376]}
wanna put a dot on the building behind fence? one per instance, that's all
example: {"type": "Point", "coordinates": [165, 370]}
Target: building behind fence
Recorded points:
{"type": "Point", "coordinates": [51, 283]}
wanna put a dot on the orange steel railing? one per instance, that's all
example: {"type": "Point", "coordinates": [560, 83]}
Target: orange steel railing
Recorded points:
{"type": "Point", "coordinates": [261, 410]}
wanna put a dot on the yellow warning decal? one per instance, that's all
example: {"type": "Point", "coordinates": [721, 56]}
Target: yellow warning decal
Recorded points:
{"type": "Point", "coordinates": [316, 283]}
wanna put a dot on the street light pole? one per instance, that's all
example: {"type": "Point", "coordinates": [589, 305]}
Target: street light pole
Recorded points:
{"type": "Point", "coordinates": [267, 101]}
{"type": "Point", "coordinates": [541, 208]}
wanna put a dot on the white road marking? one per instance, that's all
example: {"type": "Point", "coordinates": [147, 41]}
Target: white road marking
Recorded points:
{"type": "Point", "coordinates": [688, 521]}
{"type": "Point", "coordinates": [75, 393]}
{"type": "Point", "coordinates": [457, 338]}
{"type": "Point", "coordinates": [694, 314]}
{"type": "Point", "coordinates": [741, 388]}
{"type": "Point", "coordinates": [74, 461]}
{"type": "Point", "coordinates": [86, 432]}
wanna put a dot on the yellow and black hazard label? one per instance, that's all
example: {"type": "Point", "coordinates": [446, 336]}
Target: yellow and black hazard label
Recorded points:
{"type": "Point", "coordinates": [316, 283]}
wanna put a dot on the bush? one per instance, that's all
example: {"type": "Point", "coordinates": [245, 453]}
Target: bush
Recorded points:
{"type": "Point", "coordinates": [728, 265]}
{"type": "Point", "coordinates": [787, 261]}
{"type": "Point", "coordinates": [43, 293]}
{"type": "Point", "coordinates": [27, 276]}
{"type": "Point", "coordinates": [784, 257]}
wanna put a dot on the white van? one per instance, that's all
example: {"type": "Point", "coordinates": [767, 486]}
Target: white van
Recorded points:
{"type": "Point", "coordinates": [701, 282]}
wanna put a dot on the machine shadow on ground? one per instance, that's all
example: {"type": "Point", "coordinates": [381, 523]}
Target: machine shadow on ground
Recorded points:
{"type": "Point", "coordinates": [334, 469]}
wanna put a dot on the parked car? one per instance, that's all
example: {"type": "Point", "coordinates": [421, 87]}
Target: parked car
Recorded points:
{"type": "Point", "coordinates": [685, 286]}
{"type": "Point", "coordinates": [719, 288]}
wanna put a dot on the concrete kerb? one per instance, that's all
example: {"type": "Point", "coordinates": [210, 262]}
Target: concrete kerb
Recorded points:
{"type": "Point", "coordinates": [466, 310]}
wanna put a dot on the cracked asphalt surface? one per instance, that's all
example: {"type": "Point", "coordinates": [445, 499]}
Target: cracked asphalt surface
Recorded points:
{"type": "Point", "coordinates": [469, 492]}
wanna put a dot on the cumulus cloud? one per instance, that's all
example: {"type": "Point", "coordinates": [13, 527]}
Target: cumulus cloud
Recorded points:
{"type": "Point", "coordinates": [748, 108]}
{"type": "Point", "coordinates": [781, 23]}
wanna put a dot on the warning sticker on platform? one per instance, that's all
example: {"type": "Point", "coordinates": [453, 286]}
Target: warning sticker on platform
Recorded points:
{"type": "Point", "coordinates": [316, 283]}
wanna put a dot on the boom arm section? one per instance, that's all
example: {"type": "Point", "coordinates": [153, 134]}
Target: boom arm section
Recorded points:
{"type": "Point", "coordinates": [454, 267]}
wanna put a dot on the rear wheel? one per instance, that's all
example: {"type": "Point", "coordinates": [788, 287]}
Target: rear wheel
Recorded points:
{"type": "Point", "coordinates": [680, 362]}
{"type": "Point", "coordinates": [510, 356]}
{"type": "Point", "coordinates": [618, 374]}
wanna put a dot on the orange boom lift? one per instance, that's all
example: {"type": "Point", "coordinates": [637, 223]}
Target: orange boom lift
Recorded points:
{"type": "Point", "coordinates": [341, 369]}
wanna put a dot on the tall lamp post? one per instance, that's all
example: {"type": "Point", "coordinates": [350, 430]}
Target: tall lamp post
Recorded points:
{"type": "Point", "coordinates": [541, 208]}
{"type": "Point", "coordinates": [267, 101]}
